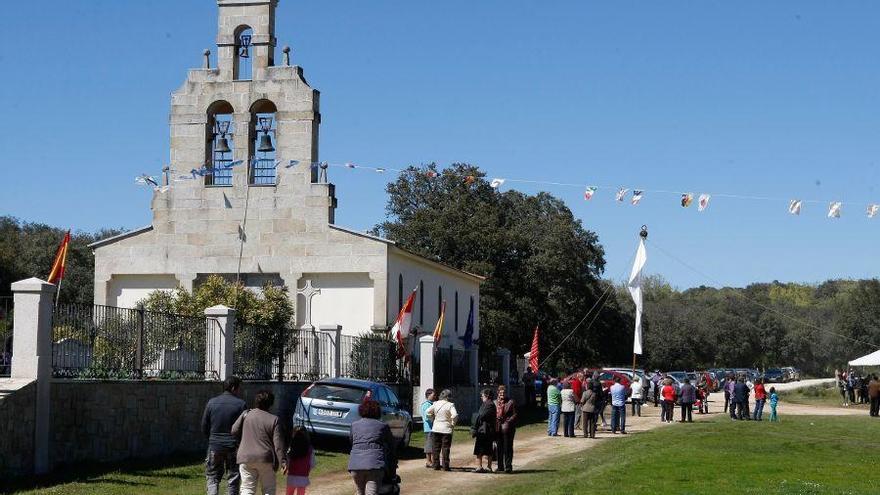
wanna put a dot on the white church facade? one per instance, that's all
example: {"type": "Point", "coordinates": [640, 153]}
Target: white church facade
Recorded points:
{"type": "Point", "coordinates": [271, 218]}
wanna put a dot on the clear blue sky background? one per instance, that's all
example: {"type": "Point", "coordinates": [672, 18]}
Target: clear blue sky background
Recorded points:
{"type": "Point", "coordinates": [775, 99]}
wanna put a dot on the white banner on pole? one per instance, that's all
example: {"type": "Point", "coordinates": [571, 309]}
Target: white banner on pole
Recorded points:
{"type": "Point", "coordinates": [635, 290]}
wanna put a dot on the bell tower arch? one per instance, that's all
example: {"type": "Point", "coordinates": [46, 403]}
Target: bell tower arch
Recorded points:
{"type": "Point", "coordinates": [246, 38]}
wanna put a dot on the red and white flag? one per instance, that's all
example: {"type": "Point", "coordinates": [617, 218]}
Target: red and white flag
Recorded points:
{"type": "Point", "coordinates": [403, 324]}
{"type": "Point", "coordinates": [533, 354]}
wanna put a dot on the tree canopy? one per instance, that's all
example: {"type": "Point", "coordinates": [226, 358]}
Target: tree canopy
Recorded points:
{"type": "Point", "coordinates": [542, 266]}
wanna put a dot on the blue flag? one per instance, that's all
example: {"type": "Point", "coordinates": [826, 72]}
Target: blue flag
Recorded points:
{"type": "Point", "coordinates": [468, 338]}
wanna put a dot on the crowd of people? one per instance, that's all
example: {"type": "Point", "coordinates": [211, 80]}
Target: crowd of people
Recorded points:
{"type": "Point", "coordinates": [857, 389]}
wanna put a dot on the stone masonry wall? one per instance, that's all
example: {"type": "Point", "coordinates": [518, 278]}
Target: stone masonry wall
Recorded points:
{"type": "Point", "coordinates": [112, 421]}
{"type": "Point", "coordinates": [17, 431]}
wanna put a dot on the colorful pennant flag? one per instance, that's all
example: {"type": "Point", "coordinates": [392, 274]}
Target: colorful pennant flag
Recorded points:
{"type": "Point", "coordinates": [703, 202]}
{"type": "Point", "coordinates": [292, 163]}
{"type": "Point", "coordinates": [533, 353]}
{"type": "Point", "coordinates": [872, 210]}
{"type": "Point", "coordinates": [56, 274]}
{"type": "Point", "coordinates": [636, 197]}
{"type": "Point", "coordinates": [686, 199]}
{"type": "Point", "coordinates": [380, 170]}
{"type": "Point", "coordinates": [588, 194]}
{"type": "Point", "coordinates": [438, 329]}
{"type": "Point", "coordinates": [794, 207]}
{"type": "Point", "coordinates": [834, 209]}
{"type": "Point", "coordinates": [496, 183]}
{"type": "Point", "coordinates": [350, 165]}
{"type": "Point", "coordinates": [621, 193]}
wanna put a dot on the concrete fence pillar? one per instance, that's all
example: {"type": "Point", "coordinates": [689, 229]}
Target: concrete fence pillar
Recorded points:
{"type": "Point", "coordinates": [504, 356]}
{"type": "Point", "coordinates": [221, 339]}
{"type": "Point", "coordinates": [426, 362]}
{"type": "Point", "coordinates": [334, 334]}
{"type": "Point", "coordinates": [32, 355]}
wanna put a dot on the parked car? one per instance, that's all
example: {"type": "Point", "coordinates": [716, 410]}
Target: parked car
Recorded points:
{"type": "Point", "coordinates": [792, 373]}
{"type": "Point", "coordinates": [774, 375]}
{"type": "Point", "coordinates": [606, 376]}
{"type": "Point", "coordinates": [330, 406]}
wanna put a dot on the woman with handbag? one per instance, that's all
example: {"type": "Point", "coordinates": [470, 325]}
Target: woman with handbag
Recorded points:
{"type": "Point", "coordinates": [261, 451]}
{"type": "Point", "coordinates": [483, 431]}
{"type": "Point", "coordinates": [588, 410]}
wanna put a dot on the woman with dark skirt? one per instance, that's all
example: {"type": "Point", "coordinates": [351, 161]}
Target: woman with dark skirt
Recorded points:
{"type": "Point", "coordinates": [483, 431]}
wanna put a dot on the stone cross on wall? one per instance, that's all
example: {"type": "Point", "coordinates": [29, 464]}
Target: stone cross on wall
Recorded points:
{"type": "Point", "coordinates": [308, 292]}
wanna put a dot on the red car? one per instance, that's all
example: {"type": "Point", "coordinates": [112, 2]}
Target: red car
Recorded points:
{"type": "Point", "coordinates": [606, 377]}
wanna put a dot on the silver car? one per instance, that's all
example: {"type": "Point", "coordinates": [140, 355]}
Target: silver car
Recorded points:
{"type": "Point", "coordinates": [330, 406]}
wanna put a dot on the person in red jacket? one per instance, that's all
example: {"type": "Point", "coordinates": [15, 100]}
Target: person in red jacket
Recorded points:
{"type": "Point", "coordinates": [760, 399]}
{"type": "Point", "coordinates": [669, 396]}
{"type": "Point", "coordinates": [300, 461]}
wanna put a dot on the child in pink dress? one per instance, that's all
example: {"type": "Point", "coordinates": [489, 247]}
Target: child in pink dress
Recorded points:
{"type": "Point", "coordinates": [300, 461]}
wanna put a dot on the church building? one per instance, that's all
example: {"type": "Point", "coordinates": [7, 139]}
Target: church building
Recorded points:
{"type": "Point", "coordinates": [244, 199]}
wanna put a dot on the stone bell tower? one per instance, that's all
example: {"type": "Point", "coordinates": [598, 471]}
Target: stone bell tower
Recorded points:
{"type": "Point", "coordinates": [246, 18]}
{"type": "Point", "coordinates": [249, 128]}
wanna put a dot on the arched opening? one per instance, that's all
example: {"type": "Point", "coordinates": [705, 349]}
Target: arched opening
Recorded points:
{"type": "Point", "coordinates": [262, 143]}
{"type": "Point", "coordinates": [242, 67]}
{"type": "Point", "coordinates": [219, 146]}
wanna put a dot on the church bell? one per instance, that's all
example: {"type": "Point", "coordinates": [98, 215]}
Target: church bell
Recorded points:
{"type": "Point", "coordinates": [266, 144]}
{"type": "Point", "coordinates": [222, 145]}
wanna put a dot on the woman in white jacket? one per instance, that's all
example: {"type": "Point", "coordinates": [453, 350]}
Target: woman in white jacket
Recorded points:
{"type": "Point", "coordinates": [444, 415]}
{"type": "Point", "coordinates": [638, 394]}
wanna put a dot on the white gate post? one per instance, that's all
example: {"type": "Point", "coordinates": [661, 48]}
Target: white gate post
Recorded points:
{"type": "Point", "coordinates": [32, 355]}
{"type": "Point", "coordinates": [221, 339]}
{"type": "Point", "coordinates": [426, 362]}
{"type": "Point", "coordinates": [334, 332]}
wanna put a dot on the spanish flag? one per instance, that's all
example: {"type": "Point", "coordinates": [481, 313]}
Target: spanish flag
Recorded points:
{"type": "Point", "coordinates": [60, 262]}
{"type": "Point", "coordinates": [438, 330]}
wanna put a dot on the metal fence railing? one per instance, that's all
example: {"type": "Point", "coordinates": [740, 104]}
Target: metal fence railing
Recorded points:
{"type": "Point", "coordinates": [271, 353]}
{"type": "Point", "coordinates": [372, 357]}
{"type": "Point", "coordinates": [452, 366]}
{"type": "Point", "coordinates": [105, 342]}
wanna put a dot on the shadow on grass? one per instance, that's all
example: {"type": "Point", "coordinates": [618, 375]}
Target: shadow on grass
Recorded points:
{"type": "Point", "coordinates": [94, 472]}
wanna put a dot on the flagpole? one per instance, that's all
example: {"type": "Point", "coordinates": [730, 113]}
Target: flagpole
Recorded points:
{"type": "Point", "coordinates": [643, 235]}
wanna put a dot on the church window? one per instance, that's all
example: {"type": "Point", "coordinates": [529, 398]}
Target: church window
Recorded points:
{"type": "Point", "coordinates": [399, 293]}
{"type": "Point", "coordinates": [421, 302]}
{"type": "Point", "coordinates": [243, 58]}
{"type": "Point", "coordinates": [219, 144]}
{"type": "Point", "coordinates": [262, 143]}
{"type": "Point", "coordinates": [439, 300]}
{"type": "Point", "coordinates": [456, 311]}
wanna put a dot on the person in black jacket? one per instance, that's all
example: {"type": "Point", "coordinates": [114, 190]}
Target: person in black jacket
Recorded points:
{"type": "Point", "coordinates": [688, 395]}
{"type": "Point", "coordinates": [483, 430]}
{"type": "Point", "coordinates": [741, 397]}
{"type": "Point", "coordinates": [219, 416]}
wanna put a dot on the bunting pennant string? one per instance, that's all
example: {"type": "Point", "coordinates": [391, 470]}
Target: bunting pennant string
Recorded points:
{"type": "Point", "coordinates": [703, 202]}
{"type": "Point", "coordinates": [686, 198]}
{"type": "Point", "coordinates": [834, 209]}
{"type": "Point", "coordinates": [589, 192]}
{"type": "Point", "coordinates": [636, 197]}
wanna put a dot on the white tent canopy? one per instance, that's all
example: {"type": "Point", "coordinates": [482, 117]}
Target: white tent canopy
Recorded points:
{"type": "Point", "coordinates": [872, 359]}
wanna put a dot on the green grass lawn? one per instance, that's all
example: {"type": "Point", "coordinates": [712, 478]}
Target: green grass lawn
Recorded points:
{"type": "Point", "coordinates": [802, 455]}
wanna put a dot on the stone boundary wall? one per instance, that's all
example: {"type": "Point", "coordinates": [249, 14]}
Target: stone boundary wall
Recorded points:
{"type": "Point", "coordinates": [17, 413]}
{"type": "Point", "coordinates": [116, 420]}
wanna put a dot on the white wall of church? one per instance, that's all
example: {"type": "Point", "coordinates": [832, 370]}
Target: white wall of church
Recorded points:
{"type": "Point", "coordinates": [415, 271]}
{"type": "Point", "coordinates": [346, 299]}
{"type": "Point", "coordinates": [125, 291]}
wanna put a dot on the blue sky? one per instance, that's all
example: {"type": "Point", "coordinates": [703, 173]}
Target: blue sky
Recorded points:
{"type": "Point", "coordinates": [771, 99]}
